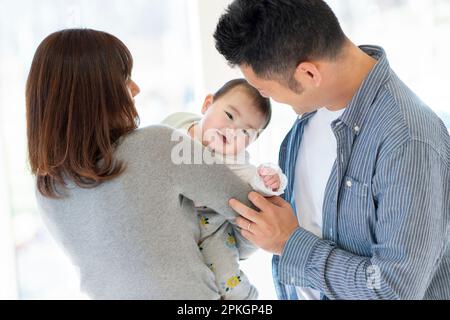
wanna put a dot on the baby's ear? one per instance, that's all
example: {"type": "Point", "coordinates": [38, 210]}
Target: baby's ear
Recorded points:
{"type": "Point", "coordinates": [209, 100]}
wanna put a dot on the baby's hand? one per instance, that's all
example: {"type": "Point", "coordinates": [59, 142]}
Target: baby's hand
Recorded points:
{"type": "Point", "coordinates": [270, 177]}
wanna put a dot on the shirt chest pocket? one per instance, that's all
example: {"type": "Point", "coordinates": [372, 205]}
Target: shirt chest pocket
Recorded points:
{"type": "Point", "coordinates": [355, 211]}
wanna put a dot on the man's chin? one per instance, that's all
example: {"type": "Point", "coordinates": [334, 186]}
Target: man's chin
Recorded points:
{"type": "Point", "coordinates": [303, 110]}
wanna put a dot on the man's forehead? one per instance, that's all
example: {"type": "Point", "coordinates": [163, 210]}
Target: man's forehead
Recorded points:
{"type": "Point", "coordinates": [248, 72]}
{"type": "Point", "coordinates": [251, 77]}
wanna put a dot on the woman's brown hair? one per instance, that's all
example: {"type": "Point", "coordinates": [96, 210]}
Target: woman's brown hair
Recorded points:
{"type": "Point", "coordinates": [78, 106]}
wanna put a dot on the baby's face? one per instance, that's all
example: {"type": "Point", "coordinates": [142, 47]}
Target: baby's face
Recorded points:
{"type": "Point", "coordinates": [230, 123]}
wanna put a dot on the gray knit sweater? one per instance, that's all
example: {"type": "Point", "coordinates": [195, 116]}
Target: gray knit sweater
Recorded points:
{"type": "Point", "coordinates": [135, 237]}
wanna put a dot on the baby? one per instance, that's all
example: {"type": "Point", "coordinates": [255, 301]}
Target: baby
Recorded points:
{"type": "Point", "coordinates": [233, 118]}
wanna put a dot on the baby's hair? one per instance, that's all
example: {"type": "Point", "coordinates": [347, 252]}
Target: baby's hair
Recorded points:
{"type": "Point", "coordinates": [263, 104]}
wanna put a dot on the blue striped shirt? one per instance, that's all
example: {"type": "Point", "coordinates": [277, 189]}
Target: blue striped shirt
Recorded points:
{"type": "Point", "coordinates": [386, 212]}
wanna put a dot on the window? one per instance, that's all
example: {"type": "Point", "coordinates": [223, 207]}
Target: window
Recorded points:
{"type": "Point", "coordinates": [157, 33]}
{"type": "Point", "coordinates": [414, 34]}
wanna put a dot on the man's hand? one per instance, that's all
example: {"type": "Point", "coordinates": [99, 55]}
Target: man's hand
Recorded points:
{"type": "Point", "coordinates": [270, 228]}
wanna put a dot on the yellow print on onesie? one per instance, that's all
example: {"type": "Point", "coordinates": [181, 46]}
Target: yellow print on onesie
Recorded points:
{"type": "Point", "coordinates": [231, 240]}
{"type": "Point", "coordinates": [231, 283]}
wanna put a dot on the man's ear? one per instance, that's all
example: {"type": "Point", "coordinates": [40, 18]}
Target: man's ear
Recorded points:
{"type": "Point", "coordinates": [308, 73]}
{"type": "Point", "coordinates": [209, 100]}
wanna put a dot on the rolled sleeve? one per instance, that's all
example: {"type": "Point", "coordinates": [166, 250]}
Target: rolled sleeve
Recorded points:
{"type": "Point", "coordinates": [294, 259]}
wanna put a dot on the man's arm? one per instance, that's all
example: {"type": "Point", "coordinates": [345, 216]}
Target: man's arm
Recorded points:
{"type": "Point", "coordinates": [410, 232]}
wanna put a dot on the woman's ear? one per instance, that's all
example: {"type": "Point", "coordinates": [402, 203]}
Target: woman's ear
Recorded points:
{"type": "Point", "coordinates": [209, 100]}
{"type": "Point", "coordinates": [308, 73]}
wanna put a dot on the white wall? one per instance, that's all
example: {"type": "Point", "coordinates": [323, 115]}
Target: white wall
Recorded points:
{"type": "Point", "coordinates": [213, 70]}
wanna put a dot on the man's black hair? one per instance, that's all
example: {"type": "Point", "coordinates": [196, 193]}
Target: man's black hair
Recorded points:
{"type": "Point", "coordinates": [274, 36]}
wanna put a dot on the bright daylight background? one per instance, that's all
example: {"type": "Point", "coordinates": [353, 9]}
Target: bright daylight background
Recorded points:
{"type": "Point", "coordinates": [176, 65]}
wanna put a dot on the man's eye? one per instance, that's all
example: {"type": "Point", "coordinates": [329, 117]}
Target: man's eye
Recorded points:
{"type": "Point", "coordinates": [229, 115]}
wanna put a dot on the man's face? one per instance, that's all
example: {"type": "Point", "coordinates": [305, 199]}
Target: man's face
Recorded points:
{"type": "Point", "coordinates": [302, 100]}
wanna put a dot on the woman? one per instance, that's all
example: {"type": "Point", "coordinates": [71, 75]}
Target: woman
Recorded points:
{"type": "Point", "coordinates": [109, 192]}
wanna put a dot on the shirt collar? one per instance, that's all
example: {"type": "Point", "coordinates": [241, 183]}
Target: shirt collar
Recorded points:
{"type": "Point", "coordinates": [305, 116]}
{"type": "Point", "coordinates": [358, 108]}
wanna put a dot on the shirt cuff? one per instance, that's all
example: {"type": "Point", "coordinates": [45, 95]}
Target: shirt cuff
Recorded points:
{"type": "Point", "coordinates": [295, 256]}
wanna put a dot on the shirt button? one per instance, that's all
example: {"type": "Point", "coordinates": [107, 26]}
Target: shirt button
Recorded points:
{"type": "Point", "coordinates": [349, 183]}
{"type": "Point", "coordinates": [357, 129]}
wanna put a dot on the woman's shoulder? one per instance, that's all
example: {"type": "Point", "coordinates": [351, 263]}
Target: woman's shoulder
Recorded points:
{"type": "Point", "coordinates": [145, 144]}
{"type": "Point", "coordinates": [153, 130]}
{"type": "Point", "coordinates": [151, 135]}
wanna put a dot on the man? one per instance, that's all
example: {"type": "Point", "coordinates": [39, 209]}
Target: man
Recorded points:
{"type": "Point", "coordinates": [366, 212]}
